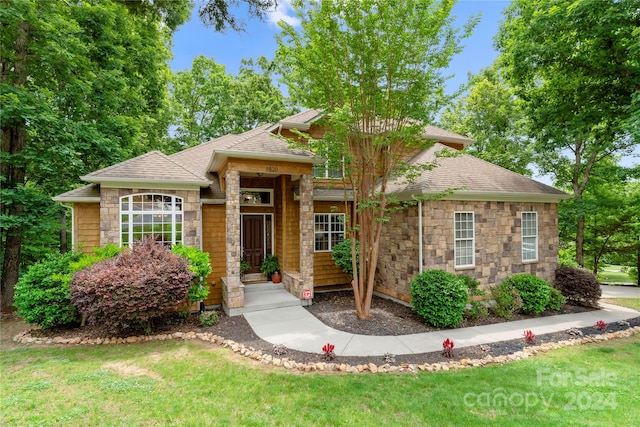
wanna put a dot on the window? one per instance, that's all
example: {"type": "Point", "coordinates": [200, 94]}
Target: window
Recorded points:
{"type": "Point", "coordinates": [464, 239]}
{"type": "Point", "coordinates": [156, 215]}
{"type": "Point", "coordinates": [529, 236]}
{"type": "Point", "coordinates": [256, 197]}
{"type": "Point", "coordinates": [329, 169]}
{"type": "Point", "coordinates": [329, 231]}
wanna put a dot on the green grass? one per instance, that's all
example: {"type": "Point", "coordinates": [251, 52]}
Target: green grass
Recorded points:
{"type": "Point", "coordinates": [183, 383]}
{"type": "Point", "coordinates": [633, 303]}
{"type": "Point", "coordinates": [613, 274]}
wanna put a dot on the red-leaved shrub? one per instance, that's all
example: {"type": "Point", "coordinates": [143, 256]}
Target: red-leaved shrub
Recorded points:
{"type": "Point", "coordinates": [130, 290]}
{"type": "Point", "coordinates": [578, 285]}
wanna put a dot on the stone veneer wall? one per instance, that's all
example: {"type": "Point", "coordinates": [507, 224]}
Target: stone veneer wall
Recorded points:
{"type": "Point", "coordinates": [297, 282]}
{"type": "Point", "coordinates": [110, 213]}
{"type": "Point", "coordinates": [498, 249]}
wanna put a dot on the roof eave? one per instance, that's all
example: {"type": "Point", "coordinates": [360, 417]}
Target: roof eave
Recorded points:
{"type": "Point", "coordinates": [111, 182]}
{"type": "Point", "coordinates": [71, 199]}
{"type": "Point", "coordinates": [484, 196]}
{"type": "Point", "coordinates": [497, 196]}
{"type": "Point", "coordinates": [219, 158]}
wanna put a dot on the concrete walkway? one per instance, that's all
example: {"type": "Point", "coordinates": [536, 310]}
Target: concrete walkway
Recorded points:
{"type": "Point", "coordinates": [620, 291]}
{"type": "Point", "coordinates": [298, 329]}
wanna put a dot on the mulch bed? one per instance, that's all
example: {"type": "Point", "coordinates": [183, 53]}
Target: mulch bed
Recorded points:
{"type": "Point", "coordinates": [336, 310]}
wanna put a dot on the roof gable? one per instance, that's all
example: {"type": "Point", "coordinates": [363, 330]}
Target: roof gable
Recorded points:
{"type": "Point", "coordinates": [150, 167]}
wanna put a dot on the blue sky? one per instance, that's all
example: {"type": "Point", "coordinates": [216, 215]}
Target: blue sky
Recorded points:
{"type": "Point", "coordinates": [193, 39]}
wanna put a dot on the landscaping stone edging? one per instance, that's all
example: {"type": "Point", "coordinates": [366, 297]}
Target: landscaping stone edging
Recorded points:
{"type": "Point", "coordinates": [268, 359]}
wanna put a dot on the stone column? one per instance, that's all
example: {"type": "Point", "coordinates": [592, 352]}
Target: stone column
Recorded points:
{"type": "Point", "coordinates": [306, 233]}
{"type": "Point", "coordinates": [232, 287]}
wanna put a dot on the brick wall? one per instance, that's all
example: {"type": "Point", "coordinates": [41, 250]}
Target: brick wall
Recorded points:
{"type": "Point", "coordinates": [498, 238]}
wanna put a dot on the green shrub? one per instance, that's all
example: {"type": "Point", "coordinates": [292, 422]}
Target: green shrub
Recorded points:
{"type": "Point", "coordinates": [341, 254]}
{"type": "Point", "coordinates": [87, 260]}
{"type": "Point", "coordinates": [556, 300]}
{"type": "Point", "coordinates": [42, 293]}
{"type": "Point", "coordinates": [140, 284]}
{"type": "Point", "coordinates": [439, 297]}
{"type": "Point", "coordinates": [472, 284]}
{"type": "Point", "coordinates": [533, 290]}
{"type": "Point", "coordinates": [579, 286]}
{"type": "Point", "coordinates": [200, 265]}
{"type": "Point", "coordinates": [476, 310]}
{"type": "Point", "coordinates": [507, 298]}
{"type": "Point", "coordinates": [208, 319]}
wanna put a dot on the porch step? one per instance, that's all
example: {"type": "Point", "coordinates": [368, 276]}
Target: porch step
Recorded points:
{"type": "Point", "coordinates": [267, 296]}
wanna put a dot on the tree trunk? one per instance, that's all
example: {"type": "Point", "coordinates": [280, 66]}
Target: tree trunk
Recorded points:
{"type": "Point", "coordinates": [580, 242]}
{"type": "Point", "coordinates": [14, 137]}
{"type": "Point", "coordinates": [13, 140]}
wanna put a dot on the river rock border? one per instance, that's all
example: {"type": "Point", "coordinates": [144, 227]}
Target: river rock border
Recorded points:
{"type": "Point", "coordinates": [268, 359]}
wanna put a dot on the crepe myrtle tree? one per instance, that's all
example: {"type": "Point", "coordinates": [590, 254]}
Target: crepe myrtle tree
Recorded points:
{"type": "Point", "coordinates": [375, 68]}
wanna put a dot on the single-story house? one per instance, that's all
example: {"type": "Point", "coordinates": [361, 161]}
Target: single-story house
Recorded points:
{"type": "Point", "coordinates": [252, 195]}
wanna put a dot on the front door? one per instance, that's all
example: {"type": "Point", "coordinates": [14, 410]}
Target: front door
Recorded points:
{"type": "Point", "coordinates": [253, 241]}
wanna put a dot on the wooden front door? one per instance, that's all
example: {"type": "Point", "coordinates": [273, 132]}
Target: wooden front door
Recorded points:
{"type": "Point", "coordinates": [253, 241]}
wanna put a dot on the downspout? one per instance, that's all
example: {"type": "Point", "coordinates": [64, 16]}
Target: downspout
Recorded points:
{"type": "Point", "coordinates": [420, 236]}
{"type": "Point", "coordinates": [200, 225]}
{"type": "Point", "coordinates": [73, 224]}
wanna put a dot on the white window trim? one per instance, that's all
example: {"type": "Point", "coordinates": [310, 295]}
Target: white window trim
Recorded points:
{"type": "Point", "coordinates": [331, 216]}
{"type": "Point", "coordinates": [130, 212]}
{"type": "Point", "coordinates": [258, 190]}
{"type": "Point", "coordinates": [473, 241]}
{"type": "Point", "coordinates": [535, 259]}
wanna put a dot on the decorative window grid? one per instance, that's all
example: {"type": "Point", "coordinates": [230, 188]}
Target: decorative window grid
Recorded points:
{"type": "Point", "coordinates": [157, 215]}
{"type": "Point", "coordinates": [464, 238]}
{"type": "Point", "coordinates": [529, 236]}
{"type": "Point", "coordinates": [329, 231]}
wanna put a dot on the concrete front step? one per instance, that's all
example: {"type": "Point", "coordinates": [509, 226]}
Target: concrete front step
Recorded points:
{"type": "Point", "coordinates": [267, 296]}
{"type": "Point", "coordinates": [262, 287]}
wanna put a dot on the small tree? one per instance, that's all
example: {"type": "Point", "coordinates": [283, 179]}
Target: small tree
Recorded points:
{"type": "Point", "coordinates": [375, 69]}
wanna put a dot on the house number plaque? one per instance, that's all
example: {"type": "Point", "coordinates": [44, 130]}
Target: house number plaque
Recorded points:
{"type": "Point", "coordinates": [272, 169]}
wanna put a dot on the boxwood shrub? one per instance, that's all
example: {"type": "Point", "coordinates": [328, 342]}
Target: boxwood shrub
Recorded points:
{"type": "Point", "coordinates": [439, 297]}
{"type": "Point", "coordinates": [533, 290]}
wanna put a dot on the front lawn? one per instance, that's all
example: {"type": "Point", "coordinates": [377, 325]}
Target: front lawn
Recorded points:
{"type": "Point", "coordinates": [613, 274]}
{"type": "Point", "coordinates": [633, 303]}
{"type": "Point", "coordinates": [191, 383]}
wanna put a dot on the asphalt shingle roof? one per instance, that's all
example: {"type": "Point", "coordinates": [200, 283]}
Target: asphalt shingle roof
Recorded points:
{"type": "Point", "coordinates": [470, 175]}
{"type": "Point", "coordinates": [152, 166]}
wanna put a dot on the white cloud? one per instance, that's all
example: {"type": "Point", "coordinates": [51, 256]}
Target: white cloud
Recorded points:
{"type": "Point", "coordinates": [284, 12]}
